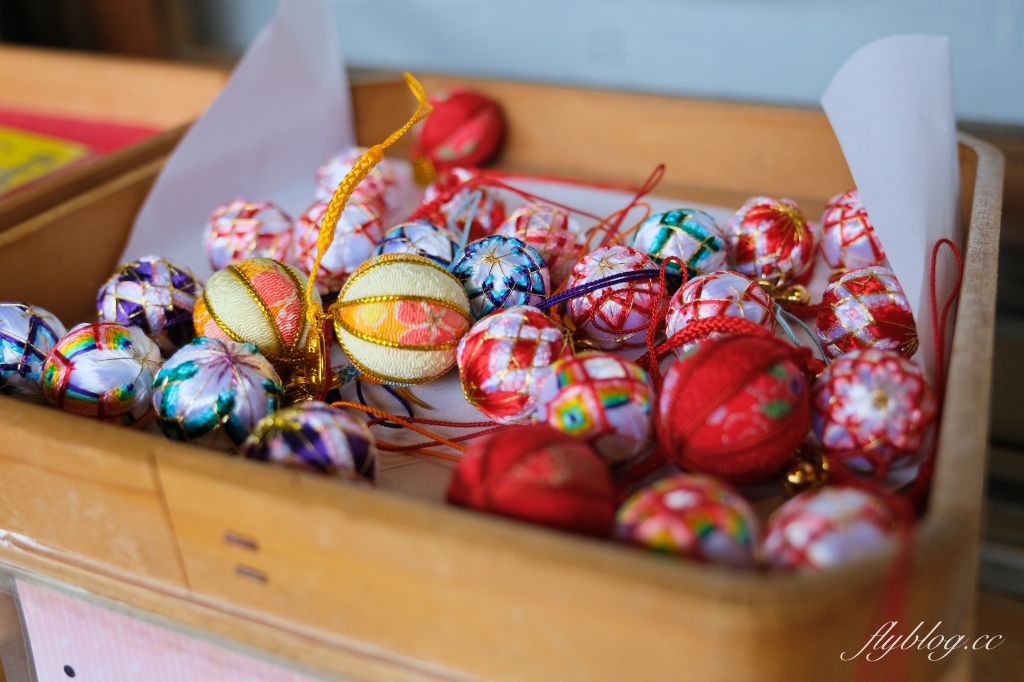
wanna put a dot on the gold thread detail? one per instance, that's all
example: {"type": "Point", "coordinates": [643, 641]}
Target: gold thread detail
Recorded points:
{"type": "Point", "coordinates": [260, 303]}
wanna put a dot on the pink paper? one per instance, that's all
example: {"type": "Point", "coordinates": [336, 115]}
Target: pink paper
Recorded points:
{"type": "Point", "coordinates": [102, 645]}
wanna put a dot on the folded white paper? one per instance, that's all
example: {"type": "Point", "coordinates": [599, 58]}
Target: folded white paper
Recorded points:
{"type": "Point", "coordinates": [891, 106]}
{"type": "Point", "coordinates": [284, 112]}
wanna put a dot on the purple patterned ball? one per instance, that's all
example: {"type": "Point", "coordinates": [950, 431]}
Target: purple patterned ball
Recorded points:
{"type": "Point", "coordinates": [155, 296]}
{"type": "Point", "coordinates": [315, 437]}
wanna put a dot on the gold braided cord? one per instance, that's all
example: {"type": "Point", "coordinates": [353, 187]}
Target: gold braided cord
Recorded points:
{"type": "Point", "coordinates": [360, 170]}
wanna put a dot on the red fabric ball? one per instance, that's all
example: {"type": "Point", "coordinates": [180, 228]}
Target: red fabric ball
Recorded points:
{"type": "Point", "coordinates": [866, 308]}
{"type": "Point", "coordinates": [537, 473]}
{"type": "Point", "coordinates": [465, 129]}
{"type": "Point", "coordinates": [738, 407]}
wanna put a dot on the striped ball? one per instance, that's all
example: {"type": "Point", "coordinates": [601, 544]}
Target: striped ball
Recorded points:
{"type": "Point", "coordinates": [213, 392]}
{"type": "Point", "coordinates": [258, 301]}
{"type": "Point", "coordinates": [690, 235]}
{"type": "Point", "coordinates": [104, 371]}
{"type": "Point", "coordinates": [400, 317]}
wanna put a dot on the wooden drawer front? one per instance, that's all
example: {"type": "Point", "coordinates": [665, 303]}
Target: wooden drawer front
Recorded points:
{"type": "Point", "coordinates": [478, 607]}
{"type": "Point", "coordinates": [81, 499]}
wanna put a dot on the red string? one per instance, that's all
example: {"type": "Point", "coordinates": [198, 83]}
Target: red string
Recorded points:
{"type": "Point", "coordinates": [660, 311]}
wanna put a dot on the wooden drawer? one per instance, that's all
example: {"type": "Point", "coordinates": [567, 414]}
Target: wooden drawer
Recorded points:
{"type": "Point", "coordinates": [374, 585]}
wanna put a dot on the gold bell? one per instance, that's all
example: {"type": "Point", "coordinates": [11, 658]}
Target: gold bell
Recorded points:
{"type": "Point", "coordinates": [808, 470]}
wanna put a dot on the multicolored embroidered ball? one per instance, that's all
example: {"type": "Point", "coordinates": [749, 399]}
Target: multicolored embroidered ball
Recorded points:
{"type": "Point", "coordinates": [400, 317]}
{"type": "Point", "coordinates": [154, 295]}
{"type": "Point", "coordinates": [481, 206]}
{"type": "Point", "coordinates": [604, 399]}
{"type": "Point", "coordinates": [258, 301]}
{"type": "Point", "coordinates": [213, 392]}
{"type": "Point", "coordinates": [501, 272]}
{"type": "Point", "coordinates": [556, 236]}
{"type": "Point", "coordinates": [505, 357]}
{"type": "Point", "coordinates": [828, 527]}
{"type": "Point", "coordinates": [243, 229]}
{"type": "Point", "coordinates": [770, 239]}
{"type": "Point", "coordinates": [315, 437]}
{"type": "Point", "coordinates": [848, 239]}
{"type": "Point", "coordinates": [421, 238]}
{"type": "Point", "coordinates": [693, 516]}
{"type": "Point", "coordinates": [690, 235]}
{"type": "Point", "coordinates": [719, 294]}
{"type": "Point", "coordinates": [737, 407]}
{"type": "Point", "coordinates": [872, 408]}
{"type": "Point", "coordinates": [27, 335]}
{"type": "Point", "coordinates": [104, 371]}
{"type": "Point", "coordinates": [617, 315]}
{"type": "Point", "coordinates": [380, 186]}
{"type": "Point", "coordinates": [866, 308]}
{"type": "Point", "coordinates": [537, 474]}
{"type": "Point", "coordinates": [359, 229]}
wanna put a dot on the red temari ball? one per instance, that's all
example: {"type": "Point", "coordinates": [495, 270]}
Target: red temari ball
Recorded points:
{"type": "Point", "coordinates": [556, 236]}
{"type": "Point", "coordinates": [692, 515]}
{"type": "Point", "coordinates": [465, 129]}
{"type": "Point", "coordinates": [872, 408]}
{"type": "Point", "coordinates": [866, 308]}
{"type": "Point", "coordinates": [737, 407]}
{"type": "Point", "coordinates": [537, 473]}
{"type": "Point", "coordinates": [770, 239]}
{"type": "Point", "coordinates": [848, 239]}
{"type": "Point", "coordinates": [822, 528]}
{"type": "Point", "coordinates": [718, 294]}
{"type": "Point", "coordinates": [617, 315]}
{"type": "Point", "coordinates": [505, 357]}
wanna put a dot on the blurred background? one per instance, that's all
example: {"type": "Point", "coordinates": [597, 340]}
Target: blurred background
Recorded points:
{"type": "Point", "coordinates": [771, 51]}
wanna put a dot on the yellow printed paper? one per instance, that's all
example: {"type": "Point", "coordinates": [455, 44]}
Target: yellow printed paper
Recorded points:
{"type": "Point", "coordinates": [26, 156]}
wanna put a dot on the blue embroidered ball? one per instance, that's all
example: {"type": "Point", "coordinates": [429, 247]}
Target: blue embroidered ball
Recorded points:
{"type": "Point", "coordinates": [501, 272]}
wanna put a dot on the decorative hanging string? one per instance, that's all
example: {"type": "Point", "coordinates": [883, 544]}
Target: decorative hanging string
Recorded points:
{"type": "Point", "coordinates": [786, 318]}
{"type": "Point", "coordinates": [394, 394]}
{"type": "Point", "coordinates": [409, 425]}
{"type": "Point", "coordinates": [366, 163]}
{"type": "Point", "coordinates": [610, 280]}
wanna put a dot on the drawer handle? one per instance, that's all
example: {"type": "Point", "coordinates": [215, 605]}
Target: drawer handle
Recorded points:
{"type": "Point", "coordinates": [247, 572]}
{"type": "Point", "coordinates": [239, 540]}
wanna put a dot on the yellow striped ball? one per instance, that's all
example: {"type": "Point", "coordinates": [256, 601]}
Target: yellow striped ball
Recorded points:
{"type": "Point", "coordinates": [258, 301]}
{"type": "Point", "coordinates": [400, 317]}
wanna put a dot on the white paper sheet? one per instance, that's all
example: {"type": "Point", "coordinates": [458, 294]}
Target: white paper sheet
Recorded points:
{"type": "Point", "coordinates": [284, 112]}
{"type": "Point", "coordinates": [891, 106]}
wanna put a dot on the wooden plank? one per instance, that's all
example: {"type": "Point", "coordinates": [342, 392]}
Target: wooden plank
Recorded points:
{"type": "Point", "coordinates": [84, 488]}
{"type": "Point", "coordinates": [114, 89]}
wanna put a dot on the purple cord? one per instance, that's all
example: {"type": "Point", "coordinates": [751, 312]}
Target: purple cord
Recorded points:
{"type": "Point", "coordinates": [583, 289]}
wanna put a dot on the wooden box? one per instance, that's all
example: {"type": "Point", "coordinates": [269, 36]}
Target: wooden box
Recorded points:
{"type": "Point", "coordinates": [373, 585]}
{"type": "Point", "coordinates": [158, 95]}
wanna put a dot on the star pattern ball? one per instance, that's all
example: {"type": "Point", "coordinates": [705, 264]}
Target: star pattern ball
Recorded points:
{"type": "Point", "coordinates": [718, 294]}
{"type": "Point", "coordinates": [380, 186]}
{"type": "Point", "coordinates": [604, 399]}
{"type": "Point", "coordinates": [213, 392]}
{"type": "Point", "coordinates": [243, 229]}
{"type": "Point", "coordinates": [154, 295]}
{"type": "Point", "coordinates": [485, 205]}
{"type": "Point", "coordinates": [104, 371]}
{"type": "Point", "coordinates": [556, 236]}
{"type": "Point", "coordinates": [617, 315]}
{"type": "Point", "coordinates": [866, 308]}
{"type": "Point", "coordinates": [359, 229]}
{"type": "Point", "coordinates": [501, 272]}
{"type": "Point", "coordinates": [693, 516]}
{"type": "Point", "coordinates": [848, 239]}
{"type": "Point", "coordinates": [872, 408]}
{"type": "Point", "coordinates": [316, 437]}
{"type": "Point", "coordinates": [770, 239]}
{"type": "Point", "coordinates": [690, 235]}
{"type": "Point", "coordinates": [505, 357]}
{"type": "Point", "coordinates": [823, 528]}
{"type": "Point", "coordinates": [422, 238]}
{"type": "Point", "coordinates": [27, 335]}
